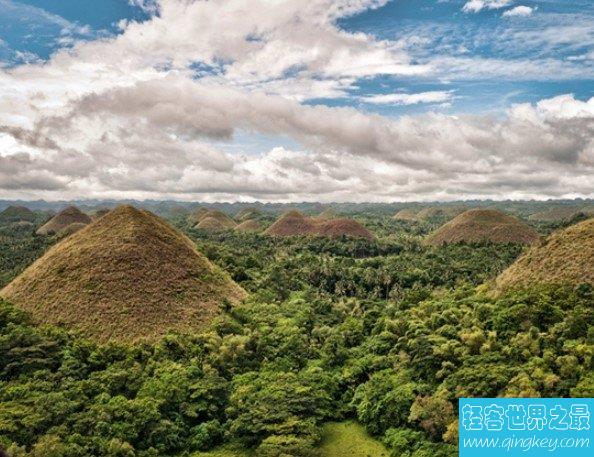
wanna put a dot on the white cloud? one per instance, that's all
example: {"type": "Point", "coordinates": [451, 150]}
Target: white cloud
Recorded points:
{"type": "Point", "coordinates": [475, 6]}
{"type": "Point", "coordinates": [521, 10]}
{"type": "Point", "coordinates": [410, 99]}
{"type": "Point", "coordinates": [129, 117]}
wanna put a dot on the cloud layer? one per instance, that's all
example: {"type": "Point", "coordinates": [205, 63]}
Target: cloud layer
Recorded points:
{"type": "Point", "coordinates": [157, 112]}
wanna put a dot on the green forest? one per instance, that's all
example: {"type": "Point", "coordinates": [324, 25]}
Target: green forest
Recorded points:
{"type": "Point", "coordinates": [338, 339]}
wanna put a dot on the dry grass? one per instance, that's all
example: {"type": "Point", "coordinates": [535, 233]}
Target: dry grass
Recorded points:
{"type": "Point", "coordinates": [127, 276]}
{"type": "Point", "coordinates": [566, 257]}
{"type": "Point", "coordinates": [294, 223]}
{"type": "Point", "coordinates": [327, 214]}
{"type": "Point", "coordinates": [406, 214]}
{"type": "Point", "coordinates": [62, 220]}
{"type": "Point", "coordinates": [444, 213]}
{"type": "Point", "coordinates": [559, 214]}
{"type": "Point", "coordinates": [214, 220]}
{"type": "Point", "coordinates": [478, 225]}
{"type": "Point", "coordinates": [247, 214]}
{"type": "Point", "coordinates": [71, 229]}
{"type": "Point", "coordinates": [249, 226]}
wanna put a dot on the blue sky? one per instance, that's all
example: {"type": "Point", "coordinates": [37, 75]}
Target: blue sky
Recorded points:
{"type": "Point", "coordinates": [324, 99]}
{"type": "Point", "coordinates": [34, 29]}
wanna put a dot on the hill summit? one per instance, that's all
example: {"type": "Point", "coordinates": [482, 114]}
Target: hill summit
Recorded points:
{"type": "Point", "coordinates": [294, 223]}
{"type": "Point", "coordinates": [127, 276]}
{"type": "Point", "coordinates": [70, 215]}
{"type": "Point", "coordinates": [478, 225]}
{"type": "Point", "coordinates": [566, 257]}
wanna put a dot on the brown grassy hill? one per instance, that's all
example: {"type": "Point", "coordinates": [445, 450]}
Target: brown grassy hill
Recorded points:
{"type": "Point", "coordinates": [211, 224]}
{"type": "Point", "coordinates": [222, 219]}
{"type": "Point", "coordinates": [247, 213]}
{"type": "Point", "coordinates": [444, 213]}
{"type": "Point", "coordinates": [71, 229]}
{"type": "Point", "coordinates": [127, 276]}
{"type": "Point", "coordinates": [477, 225]}
{"type": "Point", "coordinates": [249, 226]}
{"type": "Point", "coordinates": [406, 214]}
{"type": "Point", "coordinates": [328, 213]}
{"type": "Point", "coordinates": [559, 214]}
{"type": "Point", "coordinates": [197, 215]}
{"type": "Point", "coordinates": [16, 214]}
{"type": "Point", "coordinates": [566, 257]}
{"type": "Point", "coordinates": [63, 219]}
{"type": "Point", "coordinates": [294, 223]}
{"type": "Point", "coordinates": [335, 228]}
{"type": "Point", "coordinates": [100, 213]}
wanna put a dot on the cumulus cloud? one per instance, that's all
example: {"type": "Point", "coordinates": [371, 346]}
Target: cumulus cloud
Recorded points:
{"type": "Point", "coordinates": [154, 112]}
{"type": "Point", "coordinates": [521, 10]}
{"type": "Point", "coordinates": [474, 6]}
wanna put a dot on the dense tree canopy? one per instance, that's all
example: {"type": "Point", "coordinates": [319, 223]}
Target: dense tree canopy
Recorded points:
{"type": "Point", "coordinates": [388, 332]}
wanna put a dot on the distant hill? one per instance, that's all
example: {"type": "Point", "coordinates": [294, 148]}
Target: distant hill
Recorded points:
{"type": "Point", "coordinates": [214, 220]}
{"type": "Point", "coordinates": [560, 213]}
{"type": "Point", "coordinates": [294, 223]}
{"type": "Point", "coordinates": [17, 214]}
{"type": "Point", "coordinates": [197, 215]}
{"type": "Point", "coordinates": [62, 220]}
{"type": "Point", "coordinates": [100, 213]}
{"type": "Point", "coordinates": [328, 213]}
{"type": "Point", "coordinates": [249, 226]}
{"type": "Point", "coordinates": [71, 229]}
{"type": "Point", "coordinates": [566, 257]}
{"type": "Point", "coordinates": [247, 213]}
{"type": "Point", "coordinates": [127, 276]}
{"type": "Point", "coordinates": [406, 214]}
{"type": "Point", "coordinates": [440, 212]}
{"type": "Point", "coordinates": [478, 225]}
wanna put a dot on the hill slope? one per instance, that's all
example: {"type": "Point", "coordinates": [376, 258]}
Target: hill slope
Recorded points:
{"type": "Point", "coordinates": [127, 276]}
{"type": "Point", "coordinates": [294, 223]}
{"type": "Point", "coordinates": [566, 257]}
{"type": "Point", "coordinates": [560, 213]}
{"type": "Point", "coordinates": [62, 220]}
{"type": "Point", "coordinates": [406, 214]}
{"type": "Point", "coordinates": [214, 220]}
{"type": "Point", "coordinates": [17, 214]}
{"type": "Point", "coordinates": [478, 225]}
{"type": "Point", "coordinates": [248, 226]}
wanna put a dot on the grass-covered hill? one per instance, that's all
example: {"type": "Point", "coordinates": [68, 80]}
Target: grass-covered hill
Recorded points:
{"type": "Point", "coordinates": [247, 214]}
{"type": "Point", "coordinates": [566, 257]}
{"type": "Point", "coordinates": [63, 219]}
{"type": "Point", "coordinates": [406, 214]}
{"type": "Point", "coordinates": [127, 276]}
{"type": "Point", "coordinates": [442, 213]}
{"type": "Point", "coordinates": [213, 221]}
{"type": "Point", "coordinates": [483, 225]}
{"type": "Point", "coordinates": [293, 223]}
{"type": "Point", "coordinates": [248, 226]}
{"type": "Point", "coordinates": [16, 214]}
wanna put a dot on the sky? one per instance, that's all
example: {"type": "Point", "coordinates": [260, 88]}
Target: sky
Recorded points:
{"type": "Point", "coordinates": [286, 100]}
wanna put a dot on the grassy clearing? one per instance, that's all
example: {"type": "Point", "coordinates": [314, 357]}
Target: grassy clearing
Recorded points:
{"type": "Point", "coordinates": [342, 439]}
{"type": "Point", "coordinates": [339, 439]}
